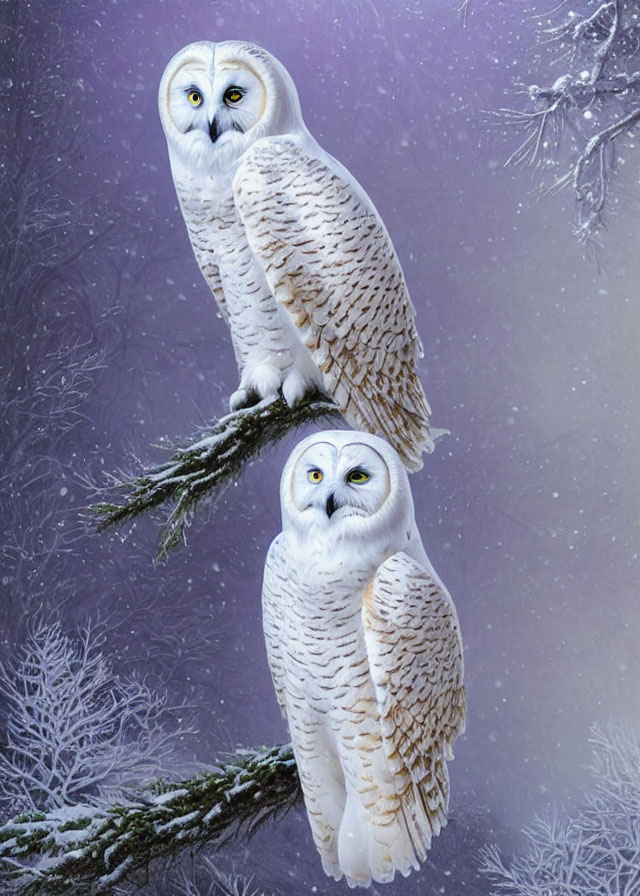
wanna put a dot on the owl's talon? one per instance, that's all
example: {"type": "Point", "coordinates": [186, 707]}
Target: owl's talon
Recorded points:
{"type": "Point", "coordinates": [243, 398]}
{"type": "Point", "coordinates": [293, 389]}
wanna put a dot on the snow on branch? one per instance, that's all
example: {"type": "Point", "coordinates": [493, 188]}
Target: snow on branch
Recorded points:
{"type": "Point", "coordinates": [594, 851]}
{"type": "Point", "coordinates": [575, 126]}
{"type": "Point", "coordinates": [210, 462]}
{"type": "Point", "coordinates": [88, 850]}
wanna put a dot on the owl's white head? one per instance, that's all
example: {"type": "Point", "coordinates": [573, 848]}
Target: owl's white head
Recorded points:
{"type": "Point", "coordinates": [350, 485]}
{"type": "Point", "coordinates": [216, 99]}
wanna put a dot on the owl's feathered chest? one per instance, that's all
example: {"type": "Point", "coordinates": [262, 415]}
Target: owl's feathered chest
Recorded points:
{"type": "Point", "coordinates": [211, 215]}
{"type": "Point", "coordinates": [318, 622]}
{"type": "Point", "coordinates": [219, 240]}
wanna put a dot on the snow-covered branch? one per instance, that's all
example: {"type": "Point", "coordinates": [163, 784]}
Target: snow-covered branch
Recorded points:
{"type": "Point", "coordinates": [210, 462]}
{"type": "Point", "coordinates": [574, 128]}
{"type": "Point", "coordinates": [595, 851]}
{"type": "Point", "coordinates": [84, 850]}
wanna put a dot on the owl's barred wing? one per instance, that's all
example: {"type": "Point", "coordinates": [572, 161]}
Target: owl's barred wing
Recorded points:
{"type": "Point", "coordinates": [329, 261]}
{"type": "Point", "coordinates": [275, 576]}
{"type": "Point", "coordinates": [415, 655]}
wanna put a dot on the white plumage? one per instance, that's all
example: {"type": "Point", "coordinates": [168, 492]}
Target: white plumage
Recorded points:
{"type": "Point", "coordinates": [365, 652]}
{"type": "Point", "coordinates": [295, 253]}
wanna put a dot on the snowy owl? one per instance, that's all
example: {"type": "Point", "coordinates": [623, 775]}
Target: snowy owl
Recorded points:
{"type": "Point", "coordinates": [293, 249]}
{"type": "Point", "coordinates": [364, 647]}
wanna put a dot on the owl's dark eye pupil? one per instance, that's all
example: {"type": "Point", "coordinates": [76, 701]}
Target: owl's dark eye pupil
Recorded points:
{"type": "Point", "coordinates": [358, 477]}
{"type": "Point", "coordinates": [233, 95]}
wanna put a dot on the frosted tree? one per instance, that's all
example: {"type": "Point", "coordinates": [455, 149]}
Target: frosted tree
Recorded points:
{"type": "Point", "coordinates": [48, 358]}
{"type": "Point", "coordinates": [207, 880]}
{"type": "Point", "coordinates": [75, 731]}
{"type": "Point", "coordinates": [596, 850]}
{"type": "Point", "coordinates": [578, 127]}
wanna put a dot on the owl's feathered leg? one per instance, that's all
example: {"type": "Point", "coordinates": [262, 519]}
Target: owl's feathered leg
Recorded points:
{"type": "Point", "coordinates": [323, 789]}
{"type": "Point", "coordinates": [258, 381]}
{"type": "Point", "coordinates": [303, 376]}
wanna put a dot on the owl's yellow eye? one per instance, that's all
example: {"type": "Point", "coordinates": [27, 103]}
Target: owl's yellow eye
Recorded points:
{"type": "Point", "coordinates": [315, 476]}
{"type": "Point", "coordinates": [233, 96]}
{"type": "Point", "coordinates": [195, 97]}
{"type": "Point", "coordinates": [357, 477]}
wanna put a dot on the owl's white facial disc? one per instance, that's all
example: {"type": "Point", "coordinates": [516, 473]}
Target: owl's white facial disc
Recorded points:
{"type": "Point", "coordinates": [331, 484]}
{"type": "Point", "coordinates": [210, 107]}
{"type": "Point", "coordinates": [350, 489]}
{"type": "Point", "coordinates": [215, 100]}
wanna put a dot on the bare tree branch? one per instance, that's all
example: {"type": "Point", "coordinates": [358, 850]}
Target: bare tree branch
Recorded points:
{"type": "Point", "coordinates": [595, 101]}
{"type": "Point", "coordinates": [84, 851]}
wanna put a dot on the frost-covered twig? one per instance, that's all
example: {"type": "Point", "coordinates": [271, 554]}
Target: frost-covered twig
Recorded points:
{"type": "Point", "coordinates": [595, 851]}
{"type": "Point", "coordinates": [204, 467]}
{"type": "Point", "coordinates": [595, 101]}
{"type": "Point", "coordinates": [463, 10]}
{"type": "Point", "coordinates": [87, 850]}
{"type": "Point", "coordinates": [199, 876]}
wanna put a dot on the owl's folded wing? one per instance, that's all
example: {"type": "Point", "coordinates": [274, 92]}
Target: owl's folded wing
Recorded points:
{"type": "Point", "coordinates": [415, 655]}
{"type": "Point", "coordinates": [329, 261]}
{"type": "Point", "coordinates": [275, 583]}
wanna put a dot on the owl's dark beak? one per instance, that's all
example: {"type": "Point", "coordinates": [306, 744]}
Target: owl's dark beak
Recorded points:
{"type": "Point", "coordinates": [215, 131]}
{"type": "Point", "coordinates": [331, 506]}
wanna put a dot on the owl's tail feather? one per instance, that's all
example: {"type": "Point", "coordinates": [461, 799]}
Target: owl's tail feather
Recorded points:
{"type": "Point", "coordinates": [430, 801]}
{"type": "Point", "coordinates": [374, 847]}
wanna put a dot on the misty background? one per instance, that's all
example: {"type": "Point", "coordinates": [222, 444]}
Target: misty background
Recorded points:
{"type": "Point", "coordinates": [110, 340]}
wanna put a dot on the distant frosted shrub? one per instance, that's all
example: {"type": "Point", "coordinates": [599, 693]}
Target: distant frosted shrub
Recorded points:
{"type": "Point", "coordinates": [75, 731]}
{"type": "Point", "coordinates": [207, 880]}
{"type": "Point", "coordinates": [594, 852]}
{"type": "Point", "coordinates": [196, 875]}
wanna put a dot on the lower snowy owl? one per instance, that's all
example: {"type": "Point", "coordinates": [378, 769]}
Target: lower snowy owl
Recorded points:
{"type": "Point", "coordinates": [365, 652]}
{"type": "Point", "coordinates": [295, 253]}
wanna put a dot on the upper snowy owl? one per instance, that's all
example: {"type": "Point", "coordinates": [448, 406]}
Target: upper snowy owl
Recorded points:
{"type": "Point", "coordinates": [365, 652]}
{"type": "Point", "coordinates": [295, 253]}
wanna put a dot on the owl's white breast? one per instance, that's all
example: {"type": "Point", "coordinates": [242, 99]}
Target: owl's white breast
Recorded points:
{"type": "Point", "coordinates": [318, 619]}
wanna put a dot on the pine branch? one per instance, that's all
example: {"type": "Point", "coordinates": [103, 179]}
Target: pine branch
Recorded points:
{"type": "Point", "coordinates": [85, 850]}
{"type": "Point", "coordinates": [211, 462]}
